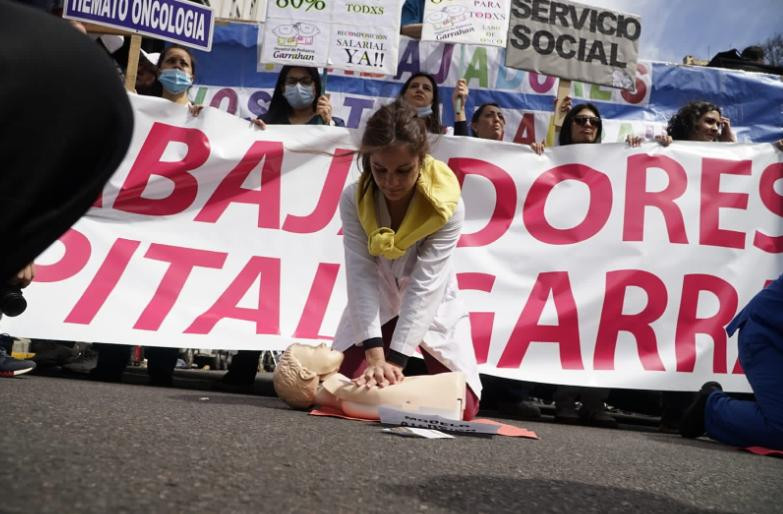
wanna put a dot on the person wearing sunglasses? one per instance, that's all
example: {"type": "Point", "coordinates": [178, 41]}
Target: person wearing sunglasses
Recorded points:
{"type": "Point", "coordinates": [582, 125]}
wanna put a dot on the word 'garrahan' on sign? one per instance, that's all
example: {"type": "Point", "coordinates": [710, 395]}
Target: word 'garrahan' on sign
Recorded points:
{"type": "Point", "coordinates": [574, 41]}
{"type": "Point", "coordinates": [178, 21]}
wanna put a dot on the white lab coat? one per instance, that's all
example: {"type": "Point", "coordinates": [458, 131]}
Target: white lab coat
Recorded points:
{"type": "Point", "coordinates": [420, 287]}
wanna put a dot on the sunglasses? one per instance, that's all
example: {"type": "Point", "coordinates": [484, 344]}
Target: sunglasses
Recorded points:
{"type": "Point", "coordinates": [582, 120]}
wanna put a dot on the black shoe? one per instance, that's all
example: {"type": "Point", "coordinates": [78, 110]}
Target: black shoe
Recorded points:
{"type": "Point", "coordinates": [49, 354]}
{"type": "Point", "coordinates": [565, 412]}
{"type": "Point", "coordinates": [597, 418]}
{"type": "Point", "coordinates": [521, 409]}
{"type": "Point", "coordinates": [692, 424]}
{"type": "Point", "coordinates": [83, 362]}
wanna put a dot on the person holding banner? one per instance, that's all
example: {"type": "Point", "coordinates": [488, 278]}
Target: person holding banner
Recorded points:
{"type": "Point", "coordinates": [698, 121]}
{"type": "Point", "coordinates": [176, 70]}
{"type": "Point", "coordinates": [401, 222]}
{"type": "Point", "coordinates": [487, 121]}
{"type": "Point", "coordinates": [420, 91]}
{"type": "Point", "coordinates": [740, 422]}
{"type": "Point", "coordinates": [299, 99]}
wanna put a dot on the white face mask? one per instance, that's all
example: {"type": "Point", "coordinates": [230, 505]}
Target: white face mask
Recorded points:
{"type": "Point", "coordinates": [423, 112]}
{"type": "Point", "coordinates": [299, 96]}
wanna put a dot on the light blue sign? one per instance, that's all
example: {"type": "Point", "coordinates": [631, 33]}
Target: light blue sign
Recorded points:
{"type": "Point", "coordinates": [178, 21]}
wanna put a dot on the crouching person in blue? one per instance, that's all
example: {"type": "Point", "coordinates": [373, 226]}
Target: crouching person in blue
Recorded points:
{"type": "Point", "coordinates": [748, 423]}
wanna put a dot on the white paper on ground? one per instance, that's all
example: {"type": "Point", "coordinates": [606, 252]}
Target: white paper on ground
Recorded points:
{"type": "Point", "coordinates": [391, 416]}
{"type": "Point", "coordinates": [418, 432]}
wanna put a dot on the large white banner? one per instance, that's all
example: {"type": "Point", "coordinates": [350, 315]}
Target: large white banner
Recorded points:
{"type": "Point", "coordinates": [592, 264]}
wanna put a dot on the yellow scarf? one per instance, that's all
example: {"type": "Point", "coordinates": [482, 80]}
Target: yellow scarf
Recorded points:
{"type": "Point", "coordinates": [433, 204]}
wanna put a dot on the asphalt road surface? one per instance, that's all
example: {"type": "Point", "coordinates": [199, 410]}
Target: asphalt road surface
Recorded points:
{"type": "Point", "coordinates": [81, 446]}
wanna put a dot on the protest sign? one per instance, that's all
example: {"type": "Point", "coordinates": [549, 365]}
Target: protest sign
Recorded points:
{"type": "Point", "coordinates": [360, 35]}
{"type": "Point", "coordinates": [248, 11]}
{"type": "Point", "coordinates": [595, 265]}
{"type": "Point", "coordinates": [574, 41]}
{"type": "Point", "coordinates": [178, 21]}
{"type": "Point", "coordinates": [473, 22]}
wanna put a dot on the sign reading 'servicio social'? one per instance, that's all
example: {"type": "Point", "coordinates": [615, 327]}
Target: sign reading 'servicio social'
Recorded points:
{"type": "Point", "coordinates": [179, 21]}
{"type": "Point", "coordinates": [473, 22]}
{"type": "Point", "coordinates": [574, 41]}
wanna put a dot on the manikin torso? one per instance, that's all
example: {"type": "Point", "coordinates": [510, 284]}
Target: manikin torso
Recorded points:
{"type": "Point", "coordinates": [442, 394]}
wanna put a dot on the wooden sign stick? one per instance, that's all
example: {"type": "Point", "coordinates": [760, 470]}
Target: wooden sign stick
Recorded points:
{"type": "Point", "coordinates": [563, 90]}
{"type": "Point", "coordinates": [133, 63]}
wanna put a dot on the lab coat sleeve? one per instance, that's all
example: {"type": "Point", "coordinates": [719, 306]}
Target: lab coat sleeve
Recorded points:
{"type": "Point", "coordinates": [427, 285]}
{"type": "Point", "coordinates": [361, 272]}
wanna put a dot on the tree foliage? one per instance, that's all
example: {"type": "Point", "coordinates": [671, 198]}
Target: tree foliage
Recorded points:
{"type": "Point", "coordinates": [773, 50]}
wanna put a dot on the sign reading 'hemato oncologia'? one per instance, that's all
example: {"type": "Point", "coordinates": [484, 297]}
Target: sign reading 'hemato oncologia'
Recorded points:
{"type": "Point", "coordinates": [179, 21]}
{"type": "Point", "coordinates": [574, 41]}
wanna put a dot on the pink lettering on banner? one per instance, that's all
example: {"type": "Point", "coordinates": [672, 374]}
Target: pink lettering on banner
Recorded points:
{"type": "Point", "coordinates": [613, 321]}
{"type": "Point", "coordinates": [230, 190]}
{"type": "Point", "coordinates": [505, 199]}
{"type": "Point", "coordinates": [148, 163]}
{"type": "Point", "coordinates": [527, 330]}
{"type": "Point", "coordinates": [181, 263]}
{"type": "Point", "coordinates": [103, 282]}
{"type": "Point", "coordinates": [317, 301]}
{"type": "Point", "coordinates": [637, 198]}
{"type": "Point", "coordinates": [772, 201]}
{"type": "Point", "coordinates": [480, 322]}
{"type": "Point", "coordinates": [688, 324]}
{"type": "Point", "coordinates": [597, 214]}
{"type": "Point", "coordinates": [329, 199]}
{"type": "Point", "coordinates": [539, 85]}
{"type": "Point", "coordinates": [641, 88]}
{"type": "Point", "coordinates": [713, 200]}
{"type": "Point", "coordinates": [526, 131]}
{"type": "Point", "coordinates": [75, 257]}
{"type": "Point", "coordinates": [266, 315]}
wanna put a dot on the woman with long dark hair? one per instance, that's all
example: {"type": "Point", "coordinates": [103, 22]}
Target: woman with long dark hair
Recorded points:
{"type": "Point", "coordinates": [401, 223]}
{"type": "Point", "coordinates": [298, 99]}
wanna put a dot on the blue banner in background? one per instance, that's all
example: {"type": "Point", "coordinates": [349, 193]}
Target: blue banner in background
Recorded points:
{"type": "Point", "coordinates": [753, 101]}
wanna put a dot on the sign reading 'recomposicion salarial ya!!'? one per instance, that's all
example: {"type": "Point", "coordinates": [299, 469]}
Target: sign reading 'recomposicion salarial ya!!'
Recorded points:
{"type": "Point", "coordinates": [179, 21]}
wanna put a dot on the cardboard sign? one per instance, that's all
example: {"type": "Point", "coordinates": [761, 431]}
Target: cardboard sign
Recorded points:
{"type": "Point", "coordinates": [360, 35]}
{"type": "Point", "coordinates": [473, 22]}
{"type": "Point", "coordinates": [178, 21]}
{"type": "Point", "coordinates": [574, 41]}
{"type": "Point", "coordinates": [250, 11]}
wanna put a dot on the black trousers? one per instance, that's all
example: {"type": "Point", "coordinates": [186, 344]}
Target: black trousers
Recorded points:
{"type": "Point", "coordinates": [65, 125]}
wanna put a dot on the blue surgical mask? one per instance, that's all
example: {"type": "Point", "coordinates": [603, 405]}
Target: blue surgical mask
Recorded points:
{"type": "Point", "coordinates": [299, 96]}
{"type": "Point", "coordinates": [174, 80]}
{"type": "Point", "coordinates": [423, 112]}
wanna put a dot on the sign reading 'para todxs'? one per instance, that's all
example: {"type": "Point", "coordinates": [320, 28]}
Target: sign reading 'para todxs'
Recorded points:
{"type": "Point", "coordinates": [574, 41]}
{"type": "Point", "coordinates": [361, 35]}
{"type": "Point", "coordinates": [179, 21]}
{"type": "Point", "coordinates": [473, 22]}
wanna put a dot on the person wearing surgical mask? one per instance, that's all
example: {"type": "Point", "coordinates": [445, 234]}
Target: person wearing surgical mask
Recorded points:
{"type": "Point", "coordinates": [421, 92]}
{"type": "Point", "coordinates": [298, 99]}
{"type": "Point", "coordinates": [176, 70]}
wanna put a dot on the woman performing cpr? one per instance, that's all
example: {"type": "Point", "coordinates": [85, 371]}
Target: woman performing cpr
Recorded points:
{"type": "Point", "coordinates": [401, 222]}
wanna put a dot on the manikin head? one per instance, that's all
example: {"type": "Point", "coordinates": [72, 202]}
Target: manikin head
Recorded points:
{"type": "Point", "coordinates": [300, 371]}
